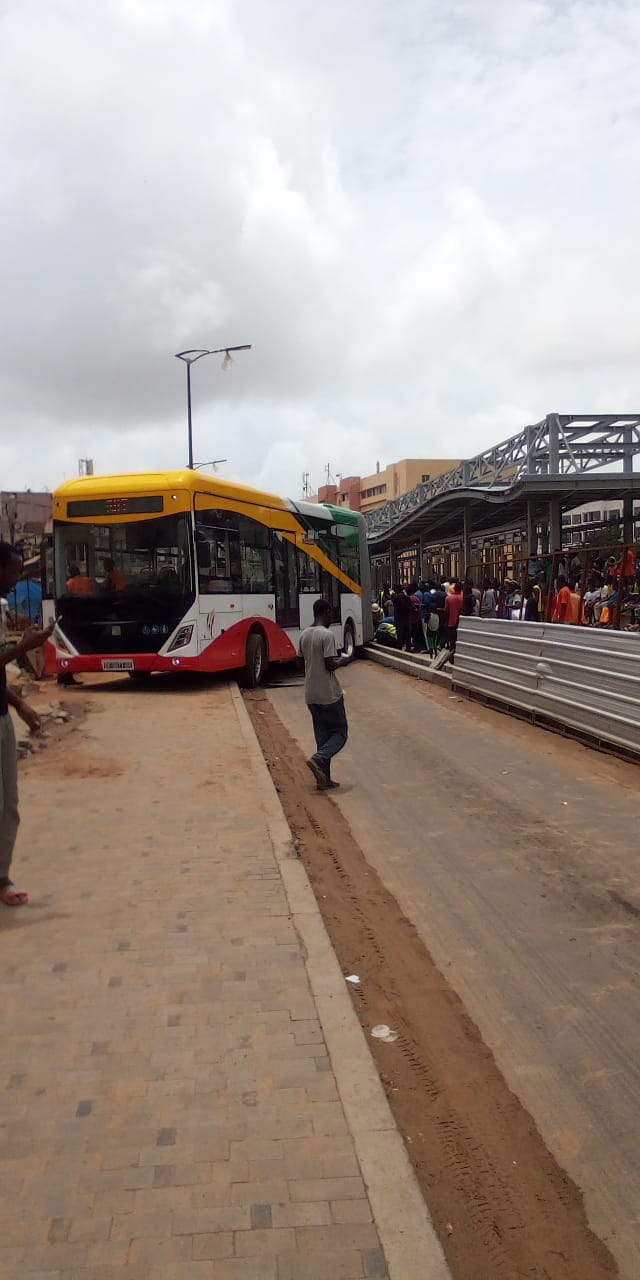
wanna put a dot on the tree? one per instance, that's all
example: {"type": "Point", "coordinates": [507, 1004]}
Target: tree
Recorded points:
{"type": "Point", "coordinates": [608, 536]}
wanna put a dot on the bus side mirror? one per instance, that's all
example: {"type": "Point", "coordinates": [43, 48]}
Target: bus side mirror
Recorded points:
{"type": "Point", "coordinates": [204, 554]}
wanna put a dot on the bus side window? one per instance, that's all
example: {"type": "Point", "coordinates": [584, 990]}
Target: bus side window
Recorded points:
{"type": "Point", "coordinates": [308, 574]}
{"type": "Point", "coordinates": [348, 553]}
{"type": "Point", "coordinates": [219, 569]}
{"type": "Point", "coordinates": [255, 553]}
{"type": "Point", "coordinates": [330, 590]}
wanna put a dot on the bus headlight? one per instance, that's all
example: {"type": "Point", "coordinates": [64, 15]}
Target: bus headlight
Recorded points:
{"type": "Point", "coordinates": [183, 637]}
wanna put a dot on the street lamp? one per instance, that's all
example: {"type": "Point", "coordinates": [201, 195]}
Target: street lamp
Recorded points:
{"type": "Point", "coordinates": [213, 462]}
{"type": "Point", "coordinates": [189, 358]}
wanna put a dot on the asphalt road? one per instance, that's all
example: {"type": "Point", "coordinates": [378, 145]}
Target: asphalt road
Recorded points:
{"type": "Point", "coordinates": [515, 855]}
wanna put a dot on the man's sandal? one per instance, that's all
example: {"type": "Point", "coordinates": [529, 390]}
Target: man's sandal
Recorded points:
{"type": "Point", "coordinates": [13, 897]}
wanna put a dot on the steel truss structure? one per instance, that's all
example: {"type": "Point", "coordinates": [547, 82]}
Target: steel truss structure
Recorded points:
{"type": "Point", "coordinates": [560, 445]}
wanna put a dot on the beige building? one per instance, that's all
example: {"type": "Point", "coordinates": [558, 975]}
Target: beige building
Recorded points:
{"type": "Point", "coordinates": [366, 493]}
{"type": "Point", "coordinates": [25, 518]}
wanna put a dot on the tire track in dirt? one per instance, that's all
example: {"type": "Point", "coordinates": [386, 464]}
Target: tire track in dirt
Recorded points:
{"type": "Point", "coordinates": [502, 1206]}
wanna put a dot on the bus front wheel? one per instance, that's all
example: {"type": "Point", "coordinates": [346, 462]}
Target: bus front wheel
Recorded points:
{"type": "Point", "coordinates": [256, 660]}
{"type": "Point", "coordinates": [349, 646]}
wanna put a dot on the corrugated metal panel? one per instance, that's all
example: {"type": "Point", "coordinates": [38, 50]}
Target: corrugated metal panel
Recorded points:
{"type": "Point", "coordinates": [580, 677]}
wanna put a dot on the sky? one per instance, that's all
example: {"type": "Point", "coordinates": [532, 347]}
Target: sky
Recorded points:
{"type": "Point", "coordinates": [423, 217]}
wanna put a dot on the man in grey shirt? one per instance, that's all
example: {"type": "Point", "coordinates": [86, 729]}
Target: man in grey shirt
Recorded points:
{"type": "Point", "coordinates": [323, 694]}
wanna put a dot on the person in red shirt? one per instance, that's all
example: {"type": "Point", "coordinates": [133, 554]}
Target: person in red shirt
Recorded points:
{"type": "Point", "coordinates": [452, 610]}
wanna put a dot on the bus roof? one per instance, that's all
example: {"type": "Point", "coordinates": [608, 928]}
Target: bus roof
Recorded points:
{"type": "Point", "coordinates": [152, 481]}
{"type": "Point", "coordinates": [343, 515]}
{"type": "Point", "coordinates": [195, 482]}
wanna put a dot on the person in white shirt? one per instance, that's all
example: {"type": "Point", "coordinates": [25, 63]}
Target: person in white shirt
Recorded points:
{"type": "Point", "coordinates": [323, 694]}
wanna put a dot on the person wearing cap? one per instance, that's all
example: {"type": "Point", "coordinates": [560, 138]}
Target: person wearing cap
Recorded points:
{"type": "Point", "coordinates": [386, 632]}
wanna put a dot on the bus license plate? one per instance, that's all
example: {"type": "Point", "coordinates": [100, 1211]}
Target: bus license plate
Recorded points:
{"type": "Point", "coordinates": [120, 664]}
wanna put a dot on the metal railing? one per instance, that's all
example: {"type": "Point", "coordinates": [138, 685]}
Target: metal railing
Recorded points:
{"type": "Point", "coordinates": [623, 595]}
{"type": "Point", "coordinates": [583, 679]}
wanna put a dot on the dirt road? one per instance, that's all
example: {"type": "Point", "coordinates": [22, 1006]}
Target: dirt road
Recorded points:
{"type": "Point", "coordinates": [513, 855]}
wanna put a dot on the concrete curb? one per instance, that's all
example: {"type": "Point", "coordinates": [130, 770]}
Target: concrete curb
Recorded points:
{"type": "Point", "coordinates": [411, 1247]}
{"type": "Point", "coordinates": [419, 670]}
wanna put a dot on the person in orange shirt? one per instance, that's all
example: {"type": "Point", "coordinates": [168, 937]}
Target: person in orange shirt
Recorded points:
{"type": "Point", "coordinates": [567, 607]}
{"type": "Point", "coordinates": [78, 584]}
{"type": "Point", "coordinates": [576, 611]}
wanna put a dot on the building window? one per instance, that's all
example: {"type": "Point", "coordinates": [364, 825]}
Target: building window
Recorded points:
{"type": "Point", "coordinates": [426, 479]}
{"type": "Point", "coordinates": [576, 519]}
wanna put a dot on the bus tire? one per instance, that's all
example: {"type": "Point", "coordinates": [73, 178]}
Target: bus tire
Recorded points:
{"type": "Point", "coordinates": [349, 643]}
{"type": "Point", "coordinates": [256, 660]}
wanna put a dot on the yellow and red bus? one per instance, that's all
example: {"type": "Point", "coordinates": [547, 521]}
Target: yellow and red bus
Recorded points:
{"type": "Point", "coordinates": [180, 571]}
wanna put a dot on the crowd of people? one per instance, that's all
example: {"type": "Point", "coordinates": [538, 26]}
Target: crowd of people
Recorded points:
{"type": "Point", "coordinates": [588, 589]}
{"type": "Point", "coordinates": [423, 617]}
{"type": "Point", "coordinates": [583, 589]}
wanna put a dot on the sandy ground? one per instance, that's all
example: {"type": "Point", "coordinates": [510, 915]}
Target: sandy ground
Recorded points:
{"type": "Point", "coordinates": [512, 853]}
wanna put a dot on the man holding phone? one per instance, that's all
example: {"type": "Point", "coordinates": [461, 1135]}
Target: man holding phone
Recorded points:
{"type": "Point", "coordinates": [10, 572]}
{"type": "Point", "coordinates": [323, 694]}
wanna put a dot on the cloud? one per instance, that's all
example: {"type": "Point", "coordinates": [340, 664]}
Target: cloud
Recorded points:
{"type": "Point", "coordinates": [422, 216]}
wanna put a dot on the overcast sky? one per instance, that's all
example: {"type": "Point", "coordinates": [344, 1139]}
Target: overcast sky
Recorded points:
{"type": "Point", "coordinates": [423, 216]}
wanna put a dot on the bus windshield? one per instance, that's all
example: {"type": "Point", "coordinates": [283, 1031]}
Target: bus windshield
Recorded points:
{"type": "Point", "coordinates": [141, 556]}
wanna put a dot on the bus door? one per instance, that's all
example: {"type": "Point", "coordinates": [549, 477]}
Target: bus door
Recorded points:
{"type": "Point", "coordinates": [285, 566]}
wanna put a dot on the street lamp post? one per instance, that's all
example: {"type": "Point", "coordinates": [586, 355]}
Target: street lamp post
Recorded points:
{"type": "Point", "coordinates": [189, 358]}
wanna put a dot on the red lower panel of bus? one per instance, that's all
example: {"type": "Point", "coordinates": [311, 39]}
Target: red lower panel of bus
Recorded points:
{"type": "Point", "coordinates": [227, 653]}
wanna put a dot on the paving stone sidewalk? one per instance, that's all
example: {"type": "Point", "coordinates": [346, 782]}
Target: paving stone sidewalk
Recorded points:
{"type": "Point", "coordinates": [169, 1110]}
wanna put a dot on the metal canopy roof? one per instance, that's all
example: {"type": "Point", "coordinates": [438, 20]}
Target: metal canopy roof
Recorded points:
{"type": "Point", "coordinates": [561, 458]}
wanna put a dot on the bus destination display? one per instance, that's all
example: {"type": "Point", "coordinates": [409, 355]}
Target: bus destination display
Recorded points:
{"type": "Point", "coordinates": [120, 506]}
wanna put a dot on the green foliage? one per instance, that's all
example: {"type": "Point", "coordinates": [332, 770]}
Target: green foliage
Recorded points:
{"type": "Point", "coordinates": [608, 536]}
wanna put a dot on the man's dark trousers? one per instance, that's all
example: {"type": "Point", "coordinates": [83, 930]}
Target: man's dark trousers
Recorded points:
{"type": "Point", "coordinates": [331, 731]}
